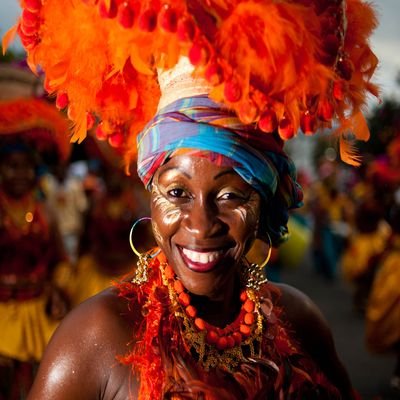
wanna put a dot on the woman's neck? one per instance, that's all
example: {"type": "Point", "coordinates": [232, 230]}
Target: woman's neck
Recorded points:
{"type": "Point", "coordinates": [219, 311]}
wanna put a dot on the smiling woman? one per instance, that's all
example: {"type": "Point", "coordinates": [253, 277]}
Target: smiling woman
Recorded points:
{"type": "Point", "coordinates": [215, 220]}
{"type": "Point", "coordinates": [197, 320]}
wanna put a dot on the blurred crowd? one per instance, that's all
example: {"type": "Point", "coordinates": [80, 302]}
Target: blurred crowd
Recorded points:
{"type": "Point", "coordinates": [63, 234]}
{"type": "Point", "coordinates": [65, 218]}
{"type": "Point", "coordinates": [349, 229]}
{"type": "Point", "coordinates": [65, 225]}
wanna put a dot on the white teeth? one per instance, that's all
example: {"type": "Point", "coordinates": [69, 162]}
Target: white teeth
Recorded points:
{"type": "Point", "coordinates": [201, 257]}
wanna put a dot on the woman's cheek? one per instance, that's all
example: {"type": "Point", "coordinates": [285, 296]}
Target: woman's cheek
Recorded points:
{"type": "Point", "coordinates": [249, 213]}
{"type": "Point", "coordinates": [157, 235]}
{"type": "Point", "coordinates": [168, 212]}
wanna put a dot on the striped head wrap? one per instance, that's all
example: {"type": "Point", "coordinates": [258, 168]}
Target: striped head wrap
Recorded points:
{"type": "Point", "coordinates": [201, 124]}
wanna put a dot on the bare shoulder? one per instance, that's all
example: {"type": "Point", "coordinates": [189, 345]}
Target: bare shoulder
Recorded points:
{"type": "Point", "coordinates": [298, 307]}
{"type": "Point", "coordinates": [314, 334]}
{"type": "Point", "coordinates": [81, 356]}
{"type": "Point", "coordinates": [103, 315]}
{"type": "Point", "coordinates": [304, 316]}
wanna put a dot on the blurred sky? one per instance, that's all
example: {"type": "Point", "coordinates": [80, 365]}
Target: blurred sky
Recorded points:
{"type": "Point", "coordinates": [385, 41]}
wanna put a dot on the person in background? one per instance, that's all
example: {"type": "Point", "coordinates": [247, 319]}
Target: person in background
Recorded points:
{"type": "Point", "coordinates": [107, 226]}
{"type": "Point", "coordinates": [383, 305]}
{"type": "Point", "coordinates": [31, 251]}
{"type": "Point", "coordinates": [332, 212]}
{"type": "Point", "coordinates": [364, 248]}
{"type": "Point", "coordinates": [66, 196]}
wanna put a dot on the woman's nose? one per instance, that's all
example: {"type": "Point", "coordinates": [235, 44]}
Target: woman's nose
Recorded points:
{"type": "Point", "coordinates": [202, 220]}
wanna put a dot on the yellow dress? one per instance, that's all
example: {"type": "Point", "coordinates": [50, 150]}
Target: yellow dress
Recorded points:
{"type": "Point", "coordinates": [383, 308]}
{"type": "Point", "coordinates": [362, 246]}
{"type": "Point", "coordinates": [89, 279]}
{"type": "Point", "coordinates": [25, 328]}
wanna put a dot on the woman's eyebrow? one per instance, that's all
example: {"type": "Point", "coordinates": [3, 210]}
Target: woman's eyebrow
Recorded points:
{"type": "Point", "coordinates": [177, 169]}
{"type": "Point", "coordinates": [226, 172]}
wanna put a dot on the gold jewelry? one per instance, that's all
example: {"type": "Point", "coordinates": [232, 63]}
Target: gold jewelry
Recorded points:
{"type": "Point", "coordinates": [223, 348]}
{"type": "Point", "coordinates": [141, 272]}
{"type": "Point", "coordinates": [253, 275]}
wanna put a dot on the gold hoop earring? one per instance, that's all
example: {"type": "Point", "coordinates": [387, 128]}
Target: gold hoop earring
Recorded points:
{"type": "Point", "coordinates": [141, 272]}
{"type": "Point", "coordinates": [253, 274]}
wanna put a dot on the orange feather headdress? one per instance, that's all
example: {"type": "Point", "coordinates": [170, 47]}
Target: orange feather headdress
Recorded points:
{"type": "Point", "coordinates": [282, 65]}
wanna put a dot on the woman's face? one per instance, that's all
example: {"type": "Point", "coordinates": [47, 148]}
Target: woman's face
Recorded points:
{"type": "Point", "coordinates": [17, 174]}
{"type": "Point", "coordinates": [204, 218]}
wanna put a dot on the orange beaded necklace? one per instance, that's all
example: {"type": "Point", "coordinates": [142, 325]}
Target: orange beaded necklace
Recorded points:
{"type": "Point", "coordinates": [217, 347]}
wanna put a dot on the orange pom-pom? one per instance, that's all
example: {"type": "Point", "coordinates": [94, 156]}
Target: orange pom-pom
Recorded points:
{"type": "Point", "coordinates": [200, 324]}
{"type": "Point", "coordinates": [232, 91]}
{"type": "Point", "coordinates": [248, 112]}
{"type": "Point", "coordinates": [230, 342]}
{"type": "Point", "coordinates": [285, 129]}
{"type": "Point", "coordinates": [108, 10]}
{"type": "Point", "coordinates": [214, 73]}
{"type": "Point", "coordinates": [186, 29]}
{"type": "Point", "coordinates": [125, 15]}
{"type": "Point", "coordinates": [243, 296]}
{"type": "Point", "coordinates": [191, 311]}
{"type": "Point", "coordinates": [169, 272]}
{"type": "Point", "coordinates": [249, 318]}
{"type": "Point", "coordinates": [30, 18]}
{"type": "Point", "coordinates": [178, 286]}
{"type": "Point", "coordinates": [184, 299]}
{"type": "Point", "coordinates": [212, 337]}
{"type": "Point", "coordinates": [28, 30]}
{"type": "Point", "coordinates": [245, 330]}
{"type": "Point", "coordinates": [167, 19]}
{"type": "Point", "coordinates": [237, 336]}
{"type": "Point", "coordinates": [33, 5]}
{"type": "Point", "coordinates": [29, 42]}
{"type": "Point", "coordinates": [62, 100]}
{"type": "Point", "coordinates": [248, 305]}
{"type": "Point", "coordinates": [161, 257]}
{"type": "Point", "coordinates": [148, 20]}
{"type": "Point", "coordinates": [308, 123]}
{"type": "Point", "coordinates": [100, 134]}
{"type": "Point", "coordinates": [222, 343]}
{"type": "Point", "coordinates": [268, 121]}
{"type": "Point", "coordinates": [116, 139]}
{"type": "Point", "coordinates": [199, 54]}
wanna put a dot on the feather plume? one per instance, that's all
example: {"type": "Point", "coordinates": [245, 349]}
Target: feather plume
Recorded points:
{"type": "Point", "coordinates": [8, 38]}
{"type": "Point", "coordinates": [280, 57]}
{"type": "Point", "coordinates": [349, 152]}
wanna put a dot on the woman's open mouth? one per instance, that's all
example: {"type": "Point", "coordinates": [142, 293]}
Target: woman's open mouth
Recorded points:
{"type": "Point", "coordinates": [201, 261]}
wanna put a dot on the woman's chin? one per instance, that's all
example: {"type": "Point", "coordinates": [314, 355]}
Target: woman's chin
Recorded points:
{"type": "Point", "coordinates": [211, 284]}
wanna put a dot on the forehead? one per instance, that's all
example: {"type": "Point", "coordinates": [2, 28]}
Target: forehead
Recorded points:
{"type": "Point", "coordinates": [196, 167]}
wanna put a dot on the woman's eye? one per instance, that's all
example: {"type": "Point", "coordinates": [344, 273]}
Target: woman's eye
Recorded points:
{"type": "Point", "coordinates": [230, 196]}
{"type": "Point", "coordinates": [178, 193]}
